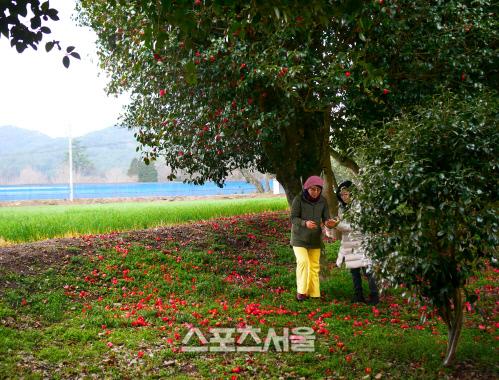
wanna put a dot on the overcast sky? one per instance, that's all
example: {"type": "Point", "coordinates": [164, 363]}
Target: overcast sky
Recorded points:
{"type": "Point", "coordinates": [37, 92]}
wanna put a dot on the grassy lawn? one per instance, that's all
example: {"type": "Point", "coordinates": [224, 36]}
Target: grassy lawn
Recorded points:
{"type": "Point", "coordinates": [122, 306]}
{"type": "Point", "coordinates": [22, 224]}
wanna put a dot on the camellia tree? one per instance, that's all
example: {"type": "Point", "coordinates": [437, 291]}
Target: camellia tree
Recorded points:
{"type": "Point", "coordinates": [429, 195]}
{"type": "Point", "coordinates": [276, 86]}
{"type": "Point", "coordinates": [213, 99]}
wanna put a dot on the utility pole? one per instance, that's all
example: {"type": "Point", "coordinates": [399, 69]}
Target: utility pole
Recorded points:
{"type": "Point", "coordinates": [70, 166]}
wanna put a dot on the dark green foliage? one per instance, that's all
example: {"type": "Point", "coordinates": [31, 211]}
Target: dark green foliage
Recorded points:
{"type": "Point", "coordinates": [429, 194]}
{"type": "Point", "coordinates": [23, 34]}
{"type": "Point", "coordinates": [274, 86]}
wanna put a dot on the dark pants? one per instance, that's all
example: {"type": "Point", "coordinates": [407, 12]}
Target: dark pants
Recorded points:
{"type": "Point", "coordinates": [357, 281]}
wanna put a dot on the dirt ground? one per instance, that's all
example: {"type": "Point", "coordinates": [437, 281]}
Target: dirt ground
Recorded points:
{"type": "Point", "coordinates": [32, 258]}
{"type": "Point", "coordinates": [38, 257]}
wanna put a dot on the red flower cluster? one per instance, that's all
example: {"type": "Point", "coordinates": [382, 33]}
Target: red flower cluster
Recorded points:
{"type": "Point", "coordinates": [282, 72]}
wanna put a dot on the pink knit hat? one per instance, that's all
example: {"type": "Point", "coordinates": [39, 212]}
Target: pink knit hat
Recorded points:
{"type": "Point", "coordinates": [313, 181]}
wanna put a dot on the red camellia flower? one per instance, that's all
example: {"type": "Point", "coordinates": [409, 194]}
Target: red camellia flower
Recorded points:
{"type": "Point", "coordinates": [243, 66]}
{"type": "Point", "coordinates": [463, 76]}
{"type": "Point", "coordinates": [347, 74]}
{"type": "Point", "coordinates": [140, 321]}
{"type": "Point", "coordinates": [282, 72]}
{"type": "Point", "coordinates": [197, 2]}
{"type": "Point", "coordinates": [140, 354]}
{"type": "Point", "coordinates": [386, 91]}
{"type": "Point", "coordinates": [162, 92]}
{"type": "Point", "coordinates": [236, 370]}
{"type": "Point", "coordinates": [157, 57]}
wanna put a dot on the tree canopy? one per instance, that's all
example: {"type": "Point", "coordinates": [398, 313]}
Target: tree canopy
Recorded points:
{"type": "Point", "coordinates": [277, 86]}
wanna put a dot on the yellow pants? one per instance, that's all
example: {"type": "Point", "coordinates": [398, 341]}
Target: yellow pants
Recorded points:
{"type": "Point", "coordinates": [307, 271]}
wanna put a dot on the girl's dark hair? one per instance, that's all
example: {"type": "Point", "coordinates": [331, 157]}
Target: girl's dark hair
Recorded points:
{"type": "Point", "coordinates": [344, 185]}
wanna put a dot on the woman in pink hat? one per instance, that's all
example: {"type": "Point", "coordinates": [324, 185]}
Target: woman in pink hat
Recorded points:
{"type": "Point", "coordinates": [308, 211]}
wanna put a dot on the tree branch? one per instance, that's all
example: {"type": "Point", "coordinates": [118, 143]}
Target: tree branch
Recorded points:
{"type": "Point", "coordinates": [345, 161]}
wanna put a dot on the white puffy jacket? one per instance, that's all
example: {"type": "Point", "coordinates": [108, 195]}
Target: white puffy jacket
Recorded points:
{"type": "Point", "coordinates": [351, 251]}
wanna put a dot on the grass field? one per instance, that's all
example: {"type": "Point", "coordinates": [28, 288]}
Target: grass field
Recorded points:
{"type": "Point", "coordinates": [122, 306]}
{"type": "Point", "coordinates": [23, 224]}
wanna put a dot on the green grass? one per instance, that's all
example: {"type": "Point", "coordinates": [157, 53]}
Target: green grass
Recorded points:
{"type": "Point", "coordinates": [81, 320]}
{"type": "Point", "coordinates": [24, 224]}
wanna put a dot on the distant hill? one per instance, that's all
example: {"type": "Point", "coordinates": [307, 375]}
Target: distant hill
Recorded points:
{"type": "Point", "coordinates": [20, 149]}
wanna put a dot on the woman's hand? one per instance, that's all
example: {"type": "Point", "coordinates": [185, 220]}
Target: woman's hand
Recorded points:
{"type": "Point", "coordinates": [311, 225]}
{"type": "Point", "coordinates": [331, 223]}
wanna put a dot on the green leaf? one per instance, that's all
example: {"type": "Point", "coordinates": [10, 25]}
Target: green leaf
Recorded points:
{"type": "Point", "coordinates": [49, 46]}
{"type": "Point", "coordinates": [36, 22]}
{"type": "Point", "coordinates": [75, 55]}
{"type": "Point", "coordinates": [4, 27]}
{"type": "Point", "coordinates": [52, 13]}
{"type": "Point", "coordinates": [65, 61]}
{"type": "Point", "coordinates": [190, 73]}
{"type": "Point", "coordinates": [69, 49]}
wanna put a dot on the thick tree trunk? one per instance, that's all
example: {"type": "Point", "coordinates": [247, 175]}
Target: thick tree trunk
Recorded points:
{"type": "Point", "coordinates": [297, 152]}
{"type": "Point", "coordinates": [291, 185]}
{"type": "Point", "coordinates": [452, 314]}
{"type": "Point", "coordinates": [330, 183]}
{"type": "Point", "coordinates": [329, 189]}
